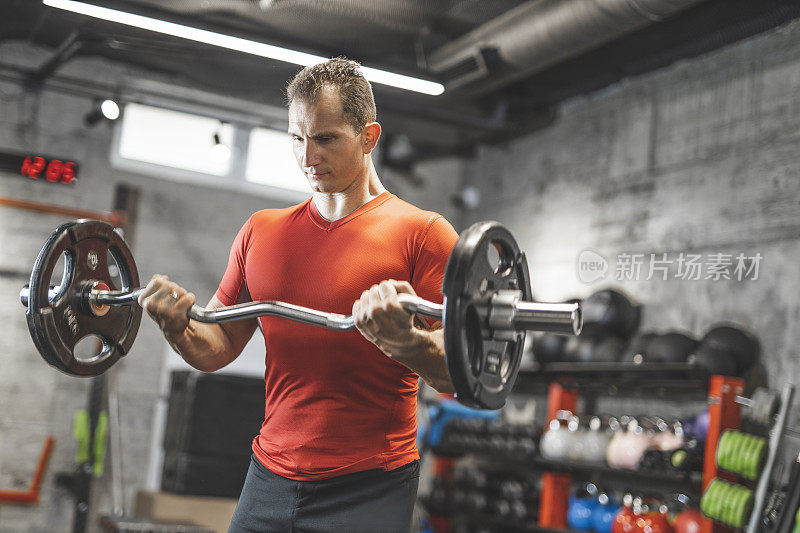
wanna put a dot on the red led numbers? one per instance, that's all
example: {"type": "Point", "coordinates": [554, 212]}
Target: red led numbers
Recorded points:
{"type": "Point", "coordinates": [68, 172]}
{"type": "Point", "coordinates": [54, 171]}
{"type": "Point", "coordinates": [33, 166]}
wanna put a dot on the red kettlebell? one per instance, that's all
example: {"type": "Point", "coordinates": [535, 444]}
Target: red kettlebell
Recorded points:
{"type": "Point", "coordinates": [688, 521]}
{"type": "Point", "coordinates": [624, 520]}
{"type": "Point", "coordinates": [654, 522]}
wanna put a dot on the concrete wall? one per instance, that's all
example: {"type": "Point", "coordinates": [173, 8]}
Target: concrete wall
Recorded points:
{"type": "Point", "coordinates": [701, 158]}
{"type": "Point", "coordinates": [183, 230]}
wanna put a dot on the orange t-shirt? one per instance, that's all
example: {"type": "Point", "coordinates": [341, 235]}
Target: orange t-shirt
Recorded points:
{"type": "Point", "coordinates": [335, 404]}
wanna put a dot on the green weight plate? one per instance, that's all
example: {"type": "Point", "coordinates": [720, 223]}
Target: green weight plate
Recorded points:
{"type": "Point", "coordinates": [747, 456]}
{"type": "Point", "coordinates": [717, 500]}
{"type": "Point", "coordinates": [759, 457]}
{"type": "Point", "coordinates": [739, 453]}
{"type": "Point", "coordinates": [733, 444]}
{"type": "Point", "coordinates": [723, 449]}
{"type": "Point", "coordinates": [726, 506]}
{"type": "Point", "coordinates": [745, 508]}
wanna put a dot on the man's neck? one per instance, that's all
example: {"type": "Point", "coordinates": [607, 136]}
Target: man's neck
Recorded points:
{"type": "Point", "coordinates": [334, 206]}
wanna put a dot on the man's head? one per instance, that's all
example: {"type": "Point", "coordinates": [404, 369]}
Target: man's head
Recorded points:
{"type": "Point", "coordinates": [343, 75]}
{"type": "Point", "coordinates": [332, 125]}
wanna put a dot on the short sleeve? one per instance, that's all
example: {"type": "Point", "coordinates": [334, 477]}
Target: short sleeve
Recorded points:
{"type": "Point", "coordinates": [234, 278]}
{"type": "Point", "coordinates": [434, 251]}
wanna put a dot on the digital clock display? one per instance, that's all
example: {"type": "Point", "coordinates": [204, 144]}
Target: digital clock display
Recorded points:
{"type": "Point", "coordinates": [40, 167]}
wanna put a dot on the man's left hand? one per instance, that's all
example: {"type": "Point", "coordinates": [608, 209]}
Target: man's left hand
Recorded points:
{"type": "Point", "coordinates": [383, 321]}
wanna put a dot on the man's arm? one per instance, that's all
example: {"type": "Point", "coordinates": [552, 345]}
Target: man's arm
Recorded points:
{"type": "Point", "coordinates": [383, 321]}
{"type": "Point", "coordinates": [206, 347]}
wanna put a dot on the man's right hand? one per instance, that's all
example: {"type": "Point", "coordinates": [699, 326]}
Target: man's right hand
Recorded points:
{"type": "Point", "coordinates": [167, 304]}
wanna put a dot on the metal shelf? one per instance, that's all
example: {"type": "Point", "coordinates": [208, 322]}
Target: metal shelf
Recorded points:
{"type": "Point", "coordinates": [690, 482]}
{"type": "Point", "coordinates": [617, 379]}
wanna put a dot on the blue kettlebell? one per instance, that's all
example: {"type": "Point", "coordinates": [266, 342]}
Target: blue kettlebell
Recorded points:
{"type": "Point", "coordinates": [579, 514]}
{"type": "Point", "coordinates": [603, 516]}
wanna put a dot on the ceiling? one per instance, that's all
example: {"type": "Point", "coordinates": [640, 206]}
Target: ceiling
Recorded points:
{"type": "Point", "coordinates": [398, 35]}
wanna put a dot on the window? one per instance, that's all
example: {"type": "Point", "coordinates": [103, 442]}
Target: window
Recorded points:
{"type": "Point", "coordinates": [270, 161]}
{"type": "Point", "coordinates": [174, 139]}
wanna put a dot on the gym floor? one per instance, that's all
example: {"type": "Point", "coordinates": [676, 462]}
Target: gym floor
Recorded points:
{"type": "Point", "coordinates": [695, 155]}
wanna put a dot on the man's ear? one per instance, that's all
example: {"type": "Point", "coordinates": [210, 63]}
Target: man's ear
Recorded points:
{"type": "Point", "coordinates": [370, 135]}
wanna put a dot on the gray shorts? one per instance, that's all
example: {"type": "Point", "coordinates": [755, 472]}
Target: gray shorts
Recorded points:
{"type": "Point", "coordinates": [374, 501]}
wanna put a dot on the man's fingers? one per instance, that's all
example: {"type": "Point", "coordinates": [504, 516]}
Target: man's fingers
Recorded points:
{"type": "Point", "coordinates": [403, 287]}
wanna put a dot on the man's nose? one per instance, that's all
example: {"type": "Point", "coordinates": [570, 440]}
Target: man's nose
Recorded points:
{"type": "Point", "coordinates": [310, 154]}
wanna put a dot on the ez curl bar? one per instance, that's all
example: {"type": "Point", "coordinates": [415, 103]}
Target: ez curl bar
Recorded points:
{"type": "Point", "coordinates": [486, 312]}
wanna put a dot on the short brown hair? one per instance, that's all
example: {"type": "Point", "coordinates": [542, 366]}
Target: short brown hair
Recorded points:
{"type": "Point", "coordinates": [358, 102]}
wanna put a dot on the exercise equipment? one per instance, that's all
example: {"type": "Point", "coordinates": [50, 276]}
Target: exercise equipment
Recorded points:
{"type": "Point", "coordinates": [611, 311]}
{"type": "Point", "coordinates": [735, 340]}
{"type": "Point", "coordinates": [688, 521]}
{"type": "Point", "coordinates": [741, 453]}
{"type": "Point", "coordinates": [487, 307]}
{"type": "Point", "coordinates": [670, 347]}
{"type": "Point", "coordinates": [761, 408]}
{"type": "Point", "coordinates": [603, 514]}
{"type": "Point", "coordinates": [727, 503]}
{"type": "Point", "coordinates": [726, 350]}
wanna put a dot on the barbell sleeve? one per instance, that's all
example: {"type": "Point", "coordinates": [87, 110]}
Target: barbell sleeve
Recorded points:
{"type": "Point", "coordinates": [555, 318]}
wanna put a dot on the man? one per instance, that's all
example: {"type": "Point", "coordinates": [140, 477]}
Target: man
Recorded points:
{"type": "Point", "coordinates": [336, 451]}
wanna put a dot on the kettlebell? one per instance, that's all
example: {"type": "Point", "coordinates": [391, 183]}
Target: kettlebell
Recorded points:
{"type": "Point", "coordinates": [670, 347]}
{"type": "Point", "coordinates": [604, 513]}
{"type": "Point", "coordinates": [595, 441]}
{"type": "Point", "coordinates": [549, 348]}
{"type": "Point", "coordinates": [579, 514]}
{"type": "Point", "coordinates": [575, 442]}
{"type": "Point", "coordinates": [624, 521]}
{"type": "Point", "coordinates": [613, 311]}
{"type": "Point", "coordinates": [555, 440]}
{"type": "Point", "coordinates": [627, 447]}
{"type": "Point", "coordinates": [742, 345]}
{"type": "Point", "coordinates": [688, 521]}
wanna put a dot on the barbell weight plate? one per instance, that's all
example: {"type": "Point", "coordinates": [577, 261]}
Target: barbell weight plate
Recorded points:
{"type": "Point", "coordinates": [57, 325]}
{"type": "Point", "coordinates": [483, 364]}
{"type": "Point", "coordinates": [765, 405]}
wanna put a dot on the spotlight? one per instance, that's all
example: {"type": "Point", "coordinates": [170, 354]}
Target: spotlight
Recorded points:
{"type": "Point", "coordinates": [107, 109]}
{"type": "Point", "coordinates": [220, 152]}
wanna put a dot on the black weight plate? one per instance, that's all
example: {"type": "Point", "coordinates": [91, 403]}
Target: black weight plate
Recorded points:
{"type": "Point", "coordinates": [483, 368]}
{"type": "Point", "coordinates": [57, 326]}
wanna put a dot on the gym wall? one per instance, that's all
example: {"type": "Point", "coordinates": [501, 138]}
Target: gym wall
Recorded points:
{"type": "Point", "coordinates": [700, 158]}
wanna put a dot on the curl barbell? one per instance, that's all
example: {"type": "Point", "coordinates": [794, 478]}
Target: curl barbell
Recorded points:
{"type": "Point", "coordinates": [486, 313]}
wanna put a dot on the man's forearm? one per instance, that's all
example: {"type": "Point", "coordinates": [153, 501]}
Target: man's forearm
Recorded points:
{"type": "Point", "coordinates": [425, 356]}
{"type": "Point", "coordinates": [203, 346]}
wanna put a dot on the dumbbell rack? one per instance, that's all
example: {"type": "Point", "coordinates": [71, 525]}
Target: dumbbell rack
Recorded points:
{"type": "Point", "coordinates": [775, 437]}
{"type": "Point", "coordinates": [724, 413]}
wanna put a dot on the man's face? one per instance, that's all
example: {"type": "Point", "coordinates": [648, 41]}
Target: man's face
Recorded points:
{"type": "Point", "coordinates": [330, 153]}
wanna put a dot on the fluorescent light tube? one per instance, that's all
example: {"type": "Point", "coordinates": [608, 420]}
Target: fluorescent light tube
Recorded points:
{"type": "Point", "coordinates": [240, 45]}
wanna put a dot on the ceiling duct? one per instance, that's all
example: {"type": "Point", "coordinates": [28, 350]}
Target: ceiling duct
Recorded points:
{"type": "Point", "coordinates": [539, 34]}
